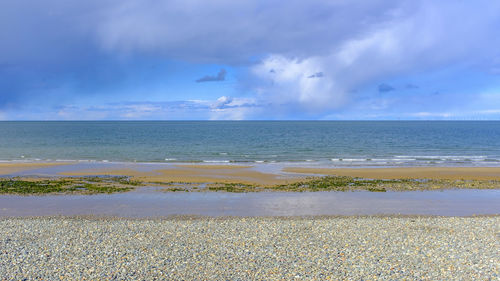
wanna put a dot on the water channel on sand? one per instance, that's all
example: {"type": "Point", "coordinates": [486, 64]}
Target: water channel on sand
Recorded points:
{"type": "Point", "coordinates": [147, 202]}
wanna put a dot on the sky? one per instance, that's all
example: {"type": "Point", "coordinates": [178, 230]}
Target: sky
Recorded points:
{"type": "Point", "coordinates": [249, 60]}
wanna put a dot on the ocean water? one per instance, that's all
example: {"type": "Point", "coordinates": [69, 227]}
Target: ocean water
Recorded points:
{"type": "Point", "coordinates": [333, 143]}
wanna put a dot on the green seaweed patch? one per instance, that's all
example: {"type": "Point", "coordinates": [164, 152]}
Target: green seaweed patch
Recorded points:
{"type": "Point", "coordinates": [339, 183]}
{"type": "Point", "coordinates": [326, 183]}
{"type": "Point", "coordinates": [180, 186]}
{"type": "Point", "coordinates": [231, 187]}
{"type": "Point", "coordinates": [123, 180]}
{"type": "Point", "coordinates": [176, 189]}
{"type": "Point", "coordinates": [346, 183]}
{"type": "Point", "coordinates": [83, 185]}
{"type": "Point", "coordinates": [376, 189]}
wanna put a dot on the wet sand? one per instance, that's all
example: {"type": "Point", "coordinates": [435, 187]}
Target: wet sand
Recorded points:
{"type": "Point", "coordinates": [195, 174]}
{"type": "Point", "coordinates": [259, 174]}
{"type": "Point", "coordinates": [250, 175]}
{"type": "Point", "coordinates": [10, 168]}
{"type": "Point", "coordinates": [450, 173]}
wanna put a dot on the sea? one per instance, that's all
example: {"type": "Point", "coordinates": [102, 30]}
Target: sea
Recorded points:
{"type": "Point", "coordinates": [326, 143]}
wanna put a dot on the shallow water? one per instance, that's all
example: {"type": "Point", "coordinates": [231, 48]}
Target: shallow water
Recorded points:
{"type": "Point", "coordinates": [147, 202]}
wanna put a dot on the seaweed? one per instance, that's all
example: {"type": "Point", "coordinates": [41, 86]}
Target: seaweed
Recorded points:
{"type": "Point", "coordinates": [83, 185]}
{"type": "Point", "coordinates": [231, 187]}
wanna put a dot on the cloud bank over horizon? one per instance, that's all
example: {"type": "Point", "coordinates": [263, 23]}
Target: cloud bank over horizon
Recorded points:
{"type": "Point", "coordinates": [318, 59]}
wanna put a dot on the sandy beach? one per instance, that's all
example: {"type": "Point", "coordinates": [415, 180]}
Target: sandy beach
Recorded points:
{"type": "Point", "coordinates": [260, 174]}
{"type": "Point", "coordinates": [194, 174]}
{"type": "Point", "coordinates": [249, 175]}
{"type": "Point", "coordinates": [250, 248]}
{"type": "Point", "coordinates": [451, 173]}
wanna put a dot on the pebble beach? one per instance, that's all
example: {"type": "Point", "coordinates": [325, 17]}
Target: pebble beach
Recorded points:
{"type": "Point", "coordinates": [241, 248]}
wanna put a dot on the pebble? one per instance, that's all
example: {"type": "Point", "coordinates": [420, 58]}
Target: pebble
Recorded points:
{"type": "Point", "coordinates": [310, 248]}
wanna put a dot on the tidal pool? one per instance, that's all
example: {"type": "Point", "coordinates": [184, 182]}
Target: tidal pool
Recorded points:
{"type": "Point", "coordinates": [148, 202]}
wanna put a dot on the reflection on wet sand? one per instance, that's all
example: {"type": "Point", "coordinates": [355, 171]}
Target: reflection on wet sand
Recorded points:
{"type": "Point", "coordinates": [148, 202]}
{"type": "Point", "coordinates": [8, 168]}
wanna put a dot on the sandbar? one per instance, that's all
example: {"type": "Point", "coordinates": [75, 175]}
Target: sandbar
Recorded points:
{"type": "Point", "coordinates": [194, 174]}
{"type": "Point", "coordinates": [448, 173]}
{"type": "Point", "coordinates": [247, 174]}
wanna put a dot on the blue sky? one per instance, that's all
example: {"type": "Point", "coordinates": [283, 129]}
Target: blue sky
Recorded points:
{"type": "Point", "coordinates": [218, 60]}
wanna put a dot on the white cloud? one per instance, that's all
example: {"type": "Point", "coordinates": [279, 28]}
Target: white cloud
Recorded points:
{"type": "Point", "coordinates": [425, 114]}
{"type": "Point", "coordinates": [488, 111]}
{"type": "Point", "coordinates": [419, 36]}
{"type": "Point", "coordinates": [219, 109]}
{"type": "Point", "coordinates": [222, 102]}
{"type": "Point", "coordinates": [229, 108]}
{"type": "Point", "coordinates": [287, 81]}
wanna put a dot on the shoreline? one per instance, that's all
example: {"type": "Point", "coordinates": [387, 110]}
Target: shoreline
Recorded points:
{"type": "Point", "coordinates": [183, 217]}
{"type": "Point", "coordinates": [151, 190]}
{"type": "Point", "coordinates": [258, 174]}
{"type": "Point", "coordinates": [70, 178]}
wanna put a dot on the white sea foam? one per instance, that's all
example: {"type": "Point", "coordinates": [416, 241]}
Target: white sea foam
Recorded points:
{"type": "Point", "coordinates": [216, 161]}
{"type": "Point", "coordinates": [442, 156]}
{"type": "Point", "coordinates": [416, 160]}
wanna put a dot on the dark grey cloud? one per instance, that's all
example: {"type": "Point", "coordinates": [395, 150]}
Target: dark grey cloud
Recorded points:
{"type": "Point", "coordinates": [81, 47]}
{"type": "Point", "coordinates": [48, 30]}
{"type": "Point", "coordinates": [316, 75]}
{"type": "Point", "coordinates": [221, 76]}
{"type": "Point", "coordinates": [235, 31]}
{"type": "Point", "coordinates": [384, 88]}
